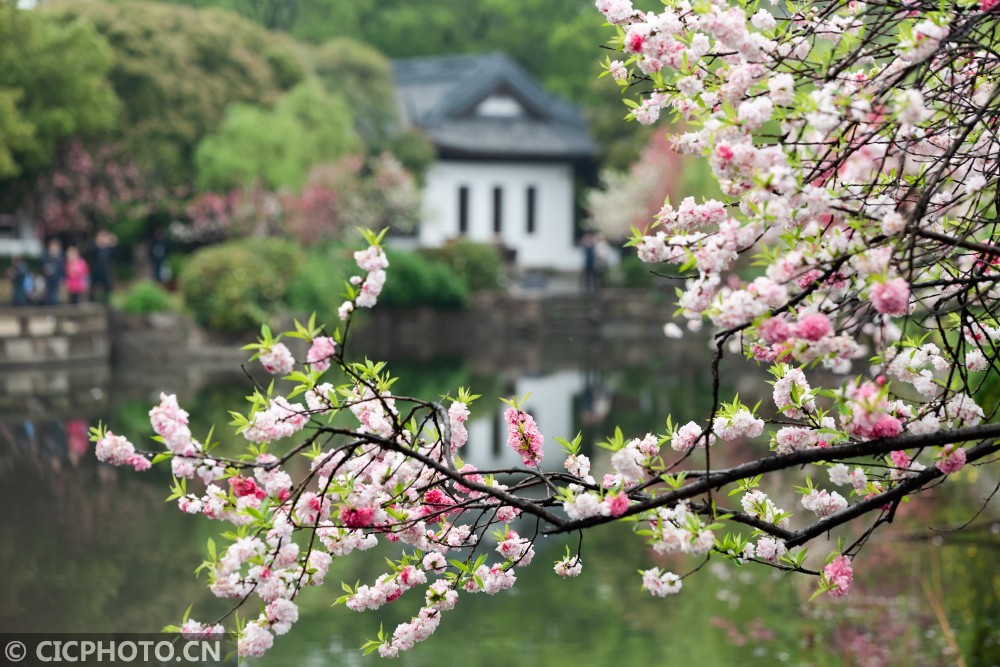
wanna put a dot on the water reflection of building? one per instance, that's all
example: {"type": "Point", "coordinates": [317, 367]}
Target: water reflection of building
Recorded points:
{"type": "Point", "coordinates": [552, 404]}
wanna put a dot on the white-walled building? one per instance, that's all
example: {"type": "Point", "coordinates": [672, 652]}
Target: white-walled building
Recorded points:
{"type": "Point", "coordinates": [508, 156]}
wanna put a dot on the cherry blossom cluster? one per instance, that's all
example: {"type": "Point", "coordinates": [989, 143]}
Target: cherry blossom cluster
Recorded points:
{"type": "Point", "coordinates": [853, 232]}
{"type": "Point", "coordinates": [870, 216]}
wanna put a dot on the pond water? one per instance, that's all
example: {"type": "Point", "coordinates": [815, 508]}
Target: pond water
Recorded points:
{"type": "Point", "coordinates": [88, 548]}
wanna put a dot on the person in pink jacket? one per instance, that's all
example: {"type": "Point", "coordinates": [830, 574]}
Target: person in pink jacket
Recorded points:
{"type": "Point", "coordinates": [77, 275]}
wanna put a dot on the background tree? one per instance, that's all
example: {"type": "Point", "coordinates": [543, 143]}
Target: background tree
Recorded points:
{"type": "Point", "coordinates": [176, 70]}
{"type": "Point", "coordinates": [91, 189]}
{"type": "Point", "coordinates": [563, 55]}
{"type": "Point", "coordinates": [363, 75]}
{"type": "Point", "coordinates": [630, 199]}
{"type": "Point", "coordinates": [278, 147]}
{"type": "Point", "coordinates": [52, 87]}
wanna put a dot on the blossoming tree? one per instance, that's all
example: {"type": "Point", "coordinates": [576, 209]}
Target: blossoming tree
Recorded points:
{"type": "Point", "coordinates": [853, 262]}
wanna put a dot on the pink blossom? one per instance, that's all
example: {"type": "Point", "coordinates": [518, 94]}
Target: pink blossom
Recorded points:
{"type": "Point", "coordinates": [516, 549]}
{"type": "Point", "coordinates": [523, 436]}
{"type": "Point", "coordinates": [281, 614]}
{"type": "Point", "coordinates": [243, 486]}
{"type": "Point", "coordinates": [900, 459]}
{"type": "Point", "coordinates": [688, 436]}
{"type": "Point", "coordinates": [280, 420]}
{"type": "Point", "coordinates": [357, 517]}
{"type": "Point", "coordinates": [814, 327]}
{"type": "Point", "coordinates": [770, 550]}
{"type": "Point", "coordinates": [578, 465]}
{"type": "Point", "coordinates": [904, 466]}
{"type": "Point", "coordinates": [115, 449]}
{"type": "Point", "coordinates": [320, 353]}
{"type": "Point", "coordinates": [371, 259]}
{"type": "Point", "coordinates": [887, 426]}
{"type": "Point", "coordinates": [793, 378]}
{"type": "Point", "coordinates": [951, 459]}
{"type": "Point", "coordinates": [468, 472]}
{"type": "Point", "coordinates": [254, 641]}
{"type": "Point", "coordinates": [616, 11]}
{"type": "Point", "coordinates": [824, 503]}
{"type": "Point", "coordinates": [867, 417]}
{"type": "Point", "coordinates": [277, 360]}
{"type": "Point", "coordinates": [659, 583]}
{"type": "Point", "coordinates": [617, 504]}
{"type": "Point", "coordinates": [839, 575]}
{"type": "Point", "coordinates": [891, 297]}
{"type": "Point", "coordinates": [458, 413]}
{"type": "Point", "coordinates": [618, 70]}
{"type": "Point", "coordinates": [774, 330]}
{"type": "Point", "coordinates": [571, 566]}
{"type": "Point", "coordinates": [139, 462]}
{"type": "Point", "coordinates": [170, 422]}
{"type": "Point", "coordinates": [975, 360]}
{"type": "Point", "coordinates": [345, 310]}
{"type": "Point", "coordinates": [740, 425]}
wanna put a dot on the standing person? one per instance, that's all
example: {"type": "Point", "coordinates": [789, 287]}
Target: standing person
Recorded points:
{"type": "Point", "coordinates": [104, 245]}
{"type": "Point", "coordinates": [53, 270]}
{"type": "Point", "coordinates": [18, 274]}
{"type": "Point", "coordinates": [77, 275]}
{"type": "Point", "coordinates": [158, 255]}
{"type": "Point", "coordinates": [589, 245]}
{"type": "Point", "coordinates": [602, 259]}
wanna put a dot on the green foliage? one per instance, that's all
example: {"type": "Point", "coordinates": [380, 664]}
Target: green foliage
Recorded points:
{"type": "Point", "coordinates": [176, 70]}
{"type": "Point", "coordinates": [17, 133]}
{"type": "Point", "coordinates": [479, 265]}
{"type": "Point", "coordinates": [316, 287]}
{"type": "Point", "coordinates": [363, 75]}
{"type": "Point", "coordinates": [415, 280]}
{"type": "Point", "coordinates": [552, 50]}
{"type": "Point", "coordinates": [562, 53]}
{"type": "Point", "coordinates": [235, 286]}
{"type": "Point", "coordinates": [146, 297]}
{"type": "Point", "coordinates": [52, 86]}
{"type": "Point", "coordinates": [277, 147]}
{"type": "Point", "coordinates": [632, 272]}
{"type": "Point", "coordinates": [414, 151]}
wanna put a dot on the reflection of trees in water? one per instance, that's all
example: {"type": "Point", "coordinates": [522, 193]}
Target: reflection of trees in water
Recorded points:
{"type": "Point", "coordinates": [92, 549]}
{"type": "Point", "coordinates": [87, 547]}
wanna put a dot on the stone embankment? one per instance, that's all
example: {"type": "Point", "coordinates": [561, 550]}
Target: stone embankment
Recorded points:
{"type": "Point", "coordinates": [31, 336]}
{"type": "Point", "coordinates": [53, 356]}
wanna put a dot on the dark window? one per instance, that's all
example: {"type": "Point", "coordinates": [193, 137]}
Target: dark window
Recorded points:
{"type": "Point", "coordinates": [497, 210]}
{"type": "Point", "coordinates": [463, 210]}
{"type": "Point", "coordinates": [531, 209]}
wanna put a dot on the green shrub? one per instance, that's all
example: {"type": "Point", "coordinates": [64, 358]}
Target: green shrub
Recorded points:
{"type": "Point", "coordinates": [236, 286]}
{"type": "Point", "coordinates": [284, 256]}
{"type": "Point", "coordinates": [146, 297]}
{"type": "Point", "coordinates": [318, 286]}
{"type": "Point", "coordinates": [415, 280]}
{"type": "Point", "coordinates": [479, 265]}
{"type": "Point", "coordinates": [633, 272]}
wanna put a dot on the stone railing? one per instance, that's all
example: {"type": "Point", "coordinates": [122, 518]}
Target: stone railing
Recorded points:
{"type": "Point", "coordinates": [37, 335]}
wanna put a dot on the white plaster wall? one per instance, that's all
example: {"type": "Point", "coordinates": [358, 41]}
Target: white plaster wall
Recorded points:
{"type": "Point", "coordinates": [550, 246]}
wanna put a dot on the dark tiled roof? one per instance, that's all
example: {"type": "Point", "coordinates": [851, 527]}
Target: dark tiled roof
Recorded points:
{"type": "Point", "coordinates": [439, 94]}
